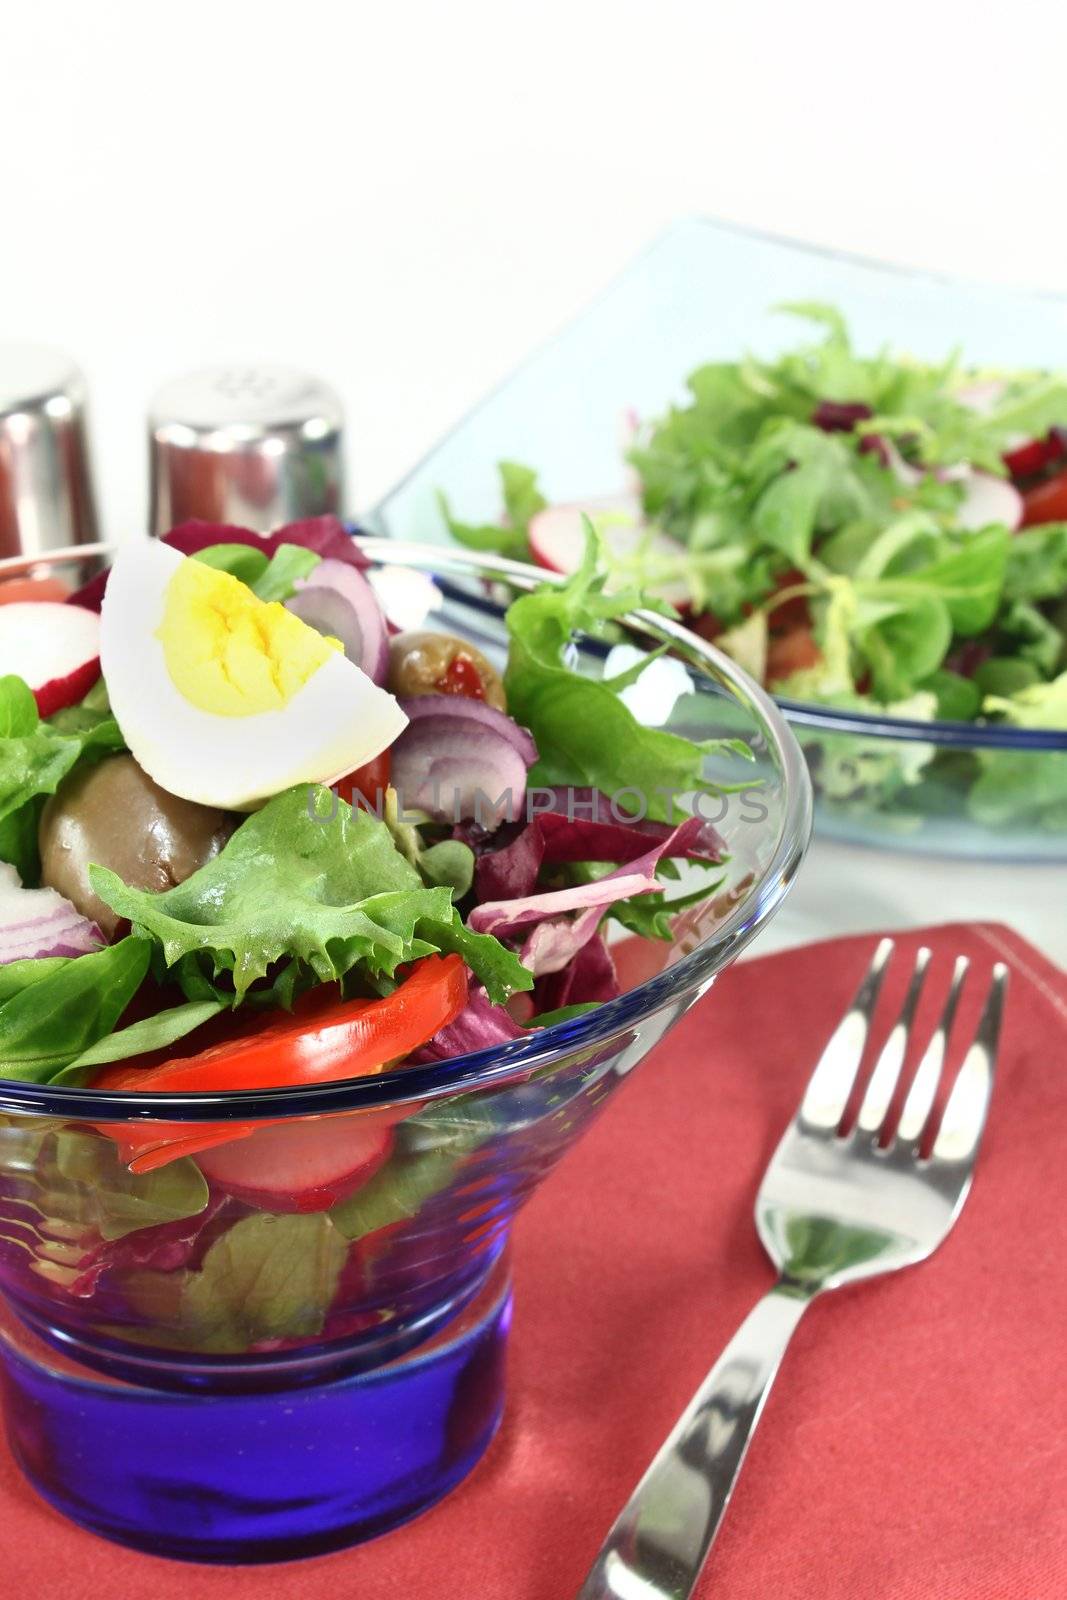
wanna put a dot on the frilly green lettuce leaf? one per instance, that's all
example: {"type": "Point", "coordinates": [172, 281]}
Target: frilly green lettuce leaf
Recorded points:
{"type": "Point", "coordinates": [308, 878]}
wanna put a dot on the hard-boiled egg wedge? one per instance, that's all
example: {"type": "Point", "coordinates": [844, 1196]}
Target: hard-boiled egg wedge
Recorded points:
{"type": "Point", "coordinates": [223, 698]}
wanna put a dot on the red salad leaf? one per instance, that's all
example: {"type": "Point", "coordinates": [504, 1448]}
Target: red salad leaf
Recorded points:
{"type": "Point", "coordinates": [590, 977]}
{"type": "Point", "coordinates": [326, 536]}
{"type": "Point", "coordinates": [554, 938]}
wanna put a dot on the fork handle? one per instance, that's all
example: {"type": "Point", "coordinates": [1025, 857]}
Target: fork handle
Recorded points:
{"type": "Point", "coordinates": [661, 1538]}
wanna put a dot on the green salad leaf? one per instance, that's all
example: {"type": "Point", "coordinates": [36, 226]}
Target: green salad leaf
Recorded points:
{"type": "Point", "coordinates": [267, 1277]}
{"type": "Point", "coordinates": [289, 563]}
{"type": "Point", "coordinates": [1037, 563]}
{"type": "Point", "coordinates": [157, 1032]}
{"type": "Point", "coordinates": [35, 757]}
{"type": "Point", "coordinates": [586, 734]}
{"type": "Point", "coordinates": [1016, 786]}
{"type": "Point", "coordinates": [509, 537]}
{"type": "Point", "coordinates": [1041, 705]}
{"type": "Point", "coordinates": [68, 1005]}
{"type": "Point", "coordinates": [242, 561]}
{"type": "Point", "coordinates": [307, 878]}
{"type": "Point", "coordinates": [431, 1148]}
{"type": "Point", "coordinates": [269, 577]}
{"type": "Point", "coordinates": [85, 1181]}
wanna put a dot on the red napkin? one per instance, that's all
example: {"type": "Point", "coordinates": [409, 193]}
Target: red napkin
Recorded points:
{"type": "Point", "coordinates": [914, 1447]}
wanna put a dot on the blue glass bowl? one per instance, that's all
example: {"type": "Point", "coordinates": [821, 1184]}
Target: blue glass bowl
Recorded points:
{"type": "Point", "coordinates": [703, 292]}
{"type": "Point", "coordinates": [204, 1373]}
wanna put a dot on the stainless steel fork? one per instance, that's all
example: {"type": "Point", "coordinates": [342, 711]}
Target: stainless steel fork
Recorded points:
{"type": "Point", "coordinates": [836, 1205]}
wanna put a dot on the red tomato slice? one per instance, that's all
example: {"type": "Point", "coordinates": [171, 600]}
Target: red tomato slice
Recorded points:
{"type": "Point", "coordinates": [1047, 502]}
{"type": "Point", "coordinates": [323, 1040]}
{"type": "Point", "coordinates": [369, 781]}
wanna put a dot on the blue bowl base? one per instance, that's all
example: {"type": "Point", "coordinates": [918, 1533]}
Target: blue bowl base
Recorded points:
{"type": "Point", "coordinates": [258, 1477]}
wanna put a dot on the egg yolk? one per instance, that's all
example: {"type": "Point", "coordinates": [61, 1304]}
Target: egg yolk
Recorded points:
{"type": "Point", "coordinates": [230, 653]}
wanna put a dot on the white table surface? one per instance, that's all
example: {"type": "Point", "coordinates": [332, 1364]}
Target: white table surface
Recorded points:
{"type": "Point", "coordinates": [845, 888]}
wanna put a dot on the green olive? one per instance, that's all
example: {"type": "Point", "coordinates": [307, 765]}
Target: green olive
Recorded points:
{"type": "Point", "coordinates": [113, 815]}
{"type": "Point", "coordinates": [420, 663]}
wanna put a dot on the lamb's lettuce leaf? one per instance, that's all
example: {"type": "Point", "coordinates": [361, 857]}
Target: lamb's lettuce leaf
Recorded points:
{"type": "Point", "coordinates": [62, 1007]}
{"type": "Point", "coordinates": [585, 734]}
{"type": "Point", "coordinates": [267, 1277]}
{"type": "Point", "coordinates": [271, 577]}
{"type": "Point", "coordinates": [522, 501]}
{"type": "Point", "coordinates": [35, 757]}
{"type": "Point", "coordinates": [157, 1032]}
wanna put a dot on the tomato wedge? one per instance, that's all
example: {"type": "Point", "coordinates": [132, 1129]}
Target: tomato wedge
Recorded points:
{"type": "Point", "coordinates": [322, 1040]}
{"type": "Point", "coordinates": [368, 783]}
{"type": "Point", "coordinates": [1047, 502]}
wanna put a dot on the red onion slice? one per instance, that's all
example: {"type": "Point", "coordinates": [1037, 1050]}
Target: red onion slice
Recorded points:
{"type": "Point", "coordinates": [456, 709]}
{"type": "Point", "coordinates": [336, 599]}
{"type": "Point", "coordinates": [459, 759]}
{"type": "Point", "coordinates": [39, 922]}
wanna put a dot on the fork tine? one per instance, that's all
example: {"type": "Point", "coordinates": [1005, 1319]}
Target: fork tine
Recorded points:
{"type": "Point", "coordinates": [831, 1083]}
{"type": "Point", "coordinates": [923, 1091]}
{"type": "Point", "coordinates": [883, 1080]}
{"type": "Point", "coordinates": [961, 1127]}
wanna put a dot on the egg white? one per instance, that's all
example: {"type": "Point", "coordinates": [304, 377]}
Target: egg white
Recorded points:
{"type": "Point", "coordinates": [335, 722]}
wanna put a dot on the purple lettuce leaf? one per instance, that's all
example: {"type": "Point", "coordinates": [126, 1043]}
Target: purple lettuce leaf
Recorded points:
{"type": "Point", "coordinates": [554, 937]}
{"type": "Point", "coordinates": [589, 977]}
{"type": "Point", "coordinates": [479, 1024]}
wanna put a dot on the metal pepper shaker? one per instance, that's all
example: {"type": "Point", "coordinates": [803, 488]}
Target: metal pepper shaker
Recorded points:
{"type": "Point", "coordinates": [46, 491]}
{"type": "Point", "coordinates": [253, 445]}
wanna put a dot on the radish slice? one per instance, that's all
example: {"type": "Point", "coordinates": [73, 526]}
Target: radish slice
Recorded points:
{"type": "Point", "coordinates": [987, 499]}
{"type": "Point", "coordinates": [54, 647]}
{"type": "Point", "coordinates": [306, 1165]}
{"type": "Point", "coordinates": [35, 589]}
{"type": "Point", "coordinates": [557, 538]}
{"type": "Point", "coordinates": [981, 395]}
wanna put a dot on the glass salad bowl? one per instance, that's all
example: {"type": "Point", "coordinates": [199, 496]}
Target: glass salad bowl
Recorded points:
{"type": "Point", "coordinates": [704, 292]}
{"type": "Point", "coordinates": [203, 1369]}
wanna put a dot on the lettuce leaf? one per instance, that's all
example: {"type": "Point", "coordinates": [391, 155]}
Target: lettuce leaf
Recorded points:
{"type": "Point", "coordinates": [308, 879]}
{"type": "Point", "coordinates": [157, 1032]}
{"type": "Point", "coordinates": [85, 1181]}
{"type": "Point", "coordinates": [1016, 786]}
{"type": "Point", "coordinates": [35, 757]}
{"type": "Point", "coordinates": [586, 736]}
{"type": "Point", "coordinates": [267, 1277]}
{"type": "Point", "coordinates": [65, 1007]}
{"type": "Point", "coordinates": [510, 537]}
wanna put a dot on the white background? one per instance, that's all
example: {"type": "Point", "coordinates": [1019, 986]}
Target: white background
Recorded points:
{"type": "Point", "coordinates": [406, 198]}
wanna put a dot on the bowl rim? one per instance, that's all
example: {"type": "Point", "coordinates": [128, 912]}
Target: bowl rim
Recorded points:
{"type": "Point", "coordinates": [520, 1057]}
{"type": "Point", "coordinates": [805, 713]}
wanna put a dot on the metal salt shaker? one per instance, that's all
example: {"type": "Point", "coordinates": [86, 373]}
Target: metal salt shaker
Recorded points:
{"type": "Point", "coordinates": [257, 446]}
{"type": "Point", "coordinates": [46, 491]}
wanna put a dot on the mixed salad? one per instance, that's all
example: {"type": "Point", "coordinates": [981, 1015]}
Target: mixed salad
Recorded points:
{"type": "Point", "coordinates": [253, 835]}
{"type": "Point", "coordinates": [867, 532]}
